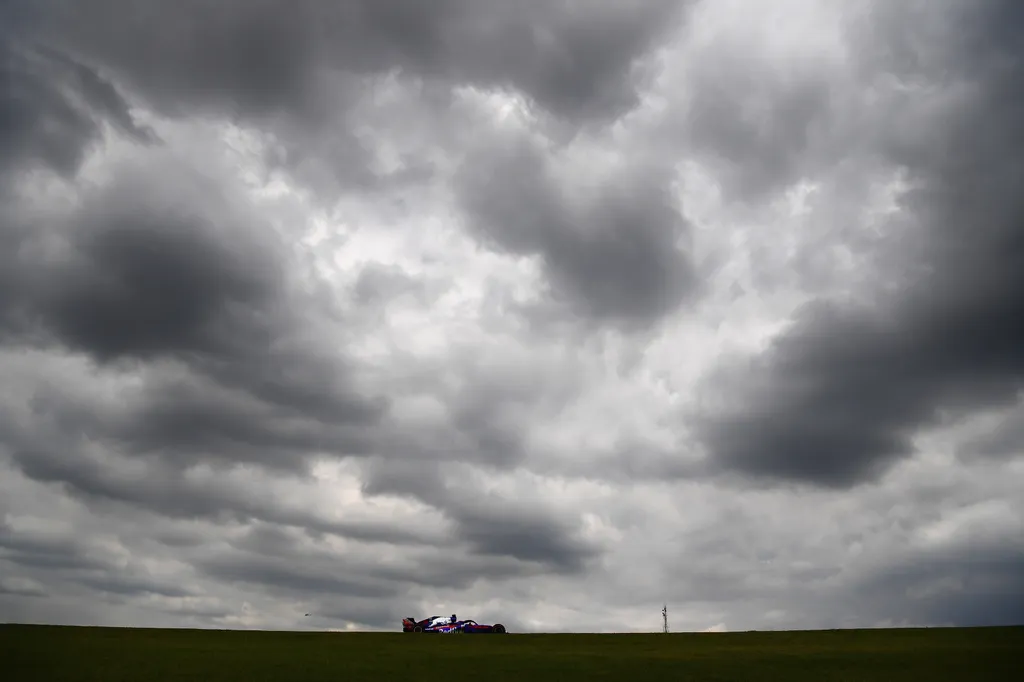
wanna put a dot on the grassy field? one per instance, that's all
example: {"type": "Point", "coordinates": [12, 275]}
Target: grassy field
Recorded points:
{"type": "Point", "coordinates": [63, 654]}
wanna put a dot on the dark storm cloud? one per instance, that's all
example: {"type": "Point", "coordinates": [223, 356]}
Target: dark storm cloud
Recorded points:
{"type": "Point", "coordinates": [842, 392]}
{"type": "Point", "coordinates": [193, 296]}
{"type": "Point", "coordinates": [526, 534]}
{"type": "Point", "coordinates": [262, 57]}
{"type": "Point", "coordinates": [274, 560]}
{"type": "Point", "coordinates": [171, 274]}
{"type": "Point", "coordinates": [613, 254]}
{"type": "Point", "coordinates": [416, 479]}
{"type": "Point", "coordinates": [142, 275]}
{"type": "Point", "coordinates": [274, 63]}
{"type": "Point", "coordinates": [976, 579]}
{"type": "Point", "coordinates": [126, 586]}
{"type": "Point", "coordinates": [41, 551]}
{"type": "Point", "coordinates": [147, 283]}
{"type": "Point", "coordinates": [274, 421]}
{"type": "Point", "coordinates": [81, 562]}
{"type": "Point", "coordinates": [288, 574]}
{"type": "Point", "coordinates": [54, 109]}
{"type": "Point", "coordinates": [487, 524]}
{"type": "Point", "coordinates": [168, 492]}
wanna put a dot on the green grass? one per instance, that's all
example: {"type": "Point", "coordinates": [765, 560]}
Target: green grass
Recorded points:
{"type": "Point", "coordinates": [63, 654]}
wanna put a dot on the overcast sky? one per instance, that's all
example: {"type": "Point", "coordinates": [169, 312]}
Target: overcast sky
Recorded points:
{"type": "Point", "coordinates": [542, 312]}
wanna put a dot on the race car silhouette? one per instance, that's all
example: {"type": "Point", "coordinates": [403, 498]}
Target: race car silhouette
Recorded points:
{"type": "Point", "coordinates": [450, 626]}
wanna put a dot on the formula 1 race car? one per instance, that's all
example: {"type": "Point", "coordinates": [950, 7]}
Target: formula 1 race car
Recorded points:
{"type": "Point", "coordinates": [450, 626]}
{"type": "Point", "coordinates": [471, 627]}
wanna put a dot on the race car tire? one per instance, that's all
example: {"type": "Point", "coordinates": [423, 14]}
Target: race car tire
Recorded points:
{"type": "Point", "coordinates": [499, 629]}
{"type": "Point", "coordinates": [417, 628]}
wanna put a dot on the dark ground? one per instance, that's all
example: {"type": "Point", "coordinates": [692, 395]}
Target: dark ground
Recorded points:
{"type": "Point", "coordinates": [63, 654]}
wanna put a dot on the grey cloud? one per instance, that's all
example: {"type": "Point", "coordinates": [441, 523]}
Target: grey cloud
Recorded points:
{"type": "Point", "coordinates": [172, 275]}
{"type": "Point", "coordinates": [378, 284]}
{"type": "Point", "coordinates": [757, 126]}
{"type": "Point", "coordinates": [273, 560]}
{"type": "Point", "coordinates": [480, 411]}
{"type": "Point", "coordinates": [146, 283]}
{"type": "Point", "coordinates": [131, 587]}
{"type": "Point", "coordinates": [188, 420]}
{"type": "Point", "coordinates": [373, 614]}
{"type": "Point", "coordinates": [286, 573]}
{"type": "Point", "coordinates": [100, 95]}
{"type": "Point", "coordinates": [272, 63]}
{"type": "Point", "coordinates": [42, 552]}
{"type": "Point", "coordinates": [144, 266]}
{"type": "Point", "coordinates": [933, 547]}
{"type": "Point", "coordinates": [54, 108]}
{"type": "Point", "coordinates": [765, 112]}
{"type": "Point", "coordinates": [84, 563]}
{"type": "Point", "coordinates": [459, 571]}
{"type": "Point", "coordinates": [225, 375]}
{"type": "Point", "coordinates": [267, 56]}
{"type": "Point", "coordinates": [614, 257]}
{"type": "Point", "coordinates": [172, 495]}
{"type": "Point", "coordinates": [973, 587]}
{"type": "Point", "coordinates": [302, 71]}
{"type": "Point", "coordinates": [489, 525]}
{"type": "Point", "coordinates": [509, 530]}
{"type": "Point", "coordinates": [21, 587]}
{"type": "Point", "coordinates": [822, 409]}
{"type": "Point", "coordinates": [417, 479]}
{"type": "Point", "coordinates": [843, 391]}
{"type": "Point", "coordinates": [483, 525]}
{"type": "Point", "coordinates": [1004, 441]}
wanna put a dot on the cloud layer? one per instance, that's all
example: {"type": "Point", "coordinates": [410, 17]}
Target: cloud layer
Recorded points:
{"type": "Point", "coordinates": [550, 315]}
